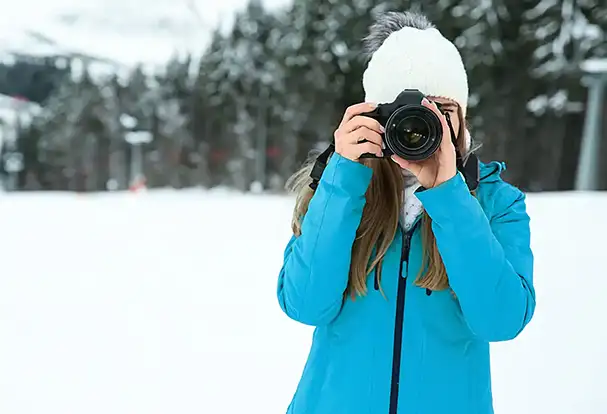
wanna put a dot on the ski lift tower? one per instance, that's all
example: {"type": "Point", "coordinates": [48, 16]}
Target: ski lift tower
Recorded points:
{"type": "Point", "coordinates": [595, 78]}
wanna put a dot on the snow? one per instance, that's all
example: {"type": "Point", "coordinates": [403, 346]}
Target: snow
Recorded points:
{"type": "Point", "coordinates": [13, 112]}
{"type": "Point", "coordinates": [164, 302]}
{"type": "Point", "coordinates": [595, 66]}
{"type": "Point", "coordinates": [119, 31]}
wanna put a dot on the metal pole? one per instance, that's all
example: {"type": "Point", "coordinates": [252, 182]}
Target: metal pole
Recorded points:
{"type": "Point", "coordinates": [587, 178]}
{"type": "Point", "coordinates": [135, 163]}
{"type": "Point", "coordinates": [12, 181]}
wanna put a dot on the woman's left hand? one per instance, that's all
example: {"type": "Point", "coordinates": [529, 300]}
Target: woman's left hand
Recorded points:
{"type": "Point", "coordinates": [441, 166]}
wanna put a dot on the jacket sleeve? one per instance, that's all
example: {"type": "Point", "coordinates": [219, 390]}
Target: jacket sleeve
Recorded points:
{"type": "Point", "coordinates": [489, 262]}
{"type": "Point", "coordinates": [316, 267]}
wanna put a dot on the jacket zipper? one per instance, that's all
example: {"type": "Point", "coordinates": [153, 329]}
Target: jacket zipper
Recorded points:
{"type": "Point", "coordinates": [398, 323]}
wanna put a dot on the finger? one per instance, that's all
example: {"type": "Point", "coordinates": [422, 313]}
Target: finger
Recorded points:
{"type": "Point", "coordinates": [368, 148]}
{"type": "Point", "coordinates": [400, 161]}
{"type": "Point", "coordinates": [356, 109]}
{"type": "Point", "coordinates": [363, 121]}
{"type": "Point", "coordinates": [364, 133]}
{"type": "Point", "coordinates": [432, 106]}
{"type": "Point", "coordinates": [446, 144]}
{"type": "Point", "coordinates": [443, 119]}
{"type": "Point", "coordinates": [411, 166]}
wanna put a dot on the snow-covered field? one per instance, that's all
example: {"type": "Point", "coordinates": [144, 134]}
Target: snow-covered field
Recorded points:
{"type": "Point", "coordinates": [165, 303]}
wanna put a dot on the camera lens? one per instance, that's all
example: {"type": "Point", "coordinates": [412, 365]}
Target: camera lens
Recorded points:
{"type": "Point", "coordinates": [412, 132]}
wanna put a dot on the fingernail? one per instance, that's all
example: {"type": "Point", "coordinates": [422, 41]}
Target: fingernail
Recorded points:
{"type": "Point", "coordinates": [382, 129]}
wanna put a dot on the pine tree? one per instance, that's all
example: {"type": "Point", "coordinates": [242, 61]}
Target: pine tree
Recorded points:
{"type": "Point", "coordinates": [80, 131]}
{"type": "Point", "coordinates": [207, 104]}
{"type": "Point", "coordinates": [570, 32]}
{"type": "Point", "coordinates": [276, 85]}
{"type": "Point", "coordinates": [315, 61]}
{"type": "Point", "coordinates": [236, 87]}
{"type": "Point", "coordinates": [173, 139]}
{"type": "Point", "coordinates": [56, 128]}
{"type": "Point", "coordinates": [27, 144]}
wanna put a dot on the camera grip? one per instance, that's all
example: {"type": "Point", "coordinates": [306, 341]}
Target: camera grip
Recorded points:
{"type": "Point", "coordinates": [374, 114]}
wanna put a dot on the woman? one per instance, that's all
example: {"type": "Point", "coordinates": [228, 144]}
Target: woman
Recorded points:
{"type": "Point", "coordinates": [405, 272]}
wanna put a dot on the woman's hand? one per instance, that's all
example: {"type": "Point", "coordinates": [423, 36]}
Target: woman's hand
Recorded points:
{"type": "Point", "coordinates": [357, 135]}
{"type": "Point", "coordinates": [441, 166]}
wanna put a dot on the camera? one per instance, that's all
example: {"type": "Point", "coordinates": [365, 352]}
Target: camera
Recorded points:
{"type": "Point", "coordinates": [413, 131]}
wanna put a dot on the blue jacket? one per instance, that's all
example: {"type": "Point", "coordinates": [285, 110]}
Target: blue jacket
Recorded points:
{"type": "Point", "coordinates": [413, 351]}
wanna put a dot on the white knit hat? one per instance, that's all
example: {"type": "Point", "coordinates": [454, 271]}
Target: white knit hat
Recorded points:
{"type": "Point", "coordinates": [411, 58]}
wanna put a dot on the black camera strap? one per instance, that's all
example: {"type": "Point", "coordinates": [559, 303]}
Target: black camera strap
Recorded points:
{"type": "Point", "coordinates": [469, 167]}
{"type": "Point", "coordinates": [320, 164]}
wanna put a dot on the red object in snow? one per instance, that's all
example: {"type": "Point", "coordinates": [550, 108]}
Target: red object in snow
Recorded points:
{"type": "Point", "coordinates": [138, 185]}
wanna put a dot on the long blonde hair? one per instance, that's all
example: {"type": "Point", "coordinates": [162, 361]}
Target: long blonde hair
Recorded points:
{"type": "Point", "coordinates": [379, 222]}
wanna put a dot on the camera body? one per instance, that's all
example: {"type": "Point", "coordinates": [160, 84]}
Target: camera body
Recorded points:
{"type": "Point", "coordinates": [413, 131]}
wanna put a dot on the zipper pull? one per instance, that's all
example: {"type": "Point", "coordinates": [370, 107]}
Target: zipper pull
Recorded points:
{"type": "Point", "coordinates": [407, 251]}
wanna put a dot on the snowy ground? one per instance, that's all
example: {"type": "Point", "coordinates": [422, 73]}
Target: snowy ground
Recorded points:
{"type": "Point", "coordinates": [165, 303]}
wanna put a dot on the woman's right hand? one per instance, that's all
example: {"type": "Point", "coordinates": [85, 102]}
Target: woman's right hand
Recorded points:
{"type": "Point", "coordinates": [357, 134]}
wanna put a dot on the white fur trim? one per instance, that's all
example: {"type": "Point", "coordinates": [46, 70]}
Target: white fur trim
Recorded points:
{"type": "Point", "coordinates": [412, 207]}
{"type": "Point", "coordinates": [416, 59]}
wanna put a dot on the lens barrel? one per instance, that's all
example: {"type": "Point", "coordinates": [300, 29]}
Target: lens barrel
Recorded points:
{"type": "Point", "coordinates": [413, 132]}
